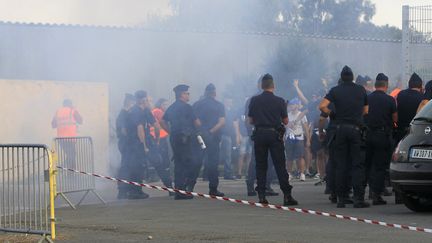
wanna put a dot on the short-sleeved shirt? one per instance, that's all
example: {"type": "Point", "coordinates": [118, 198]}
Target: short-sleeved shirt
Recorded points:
{"type": "Point", "coordinates": [136, 117]}
{"type": "Point", "coordinates": [209, 111]}
{"type": "Point", "coordinates": [408, 101]}
{"type": "Point", "coordinates": [381, 108]}
{"type": "Point", "coordinates": [267, 110]}
{"type": "Point", "coordinates": [349, 100]}
{"type": "Point", "coordinates": [181, 117]}
{"type": "Point", "coordinates": [295, 131]}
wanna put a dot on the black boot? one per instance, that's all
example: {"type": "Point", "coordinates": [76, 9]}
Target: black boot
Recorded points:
{"type": "Point", "coordinates": [359, 201]}
{"type": "Point", "coordinates": [179, 196]}
{"type": "Point", "coordinates": [289, 200]}
{"type": "Point", "coordinates": [216, 193]}
{"type": "Point", "coordinates": [262, 199]}
{"type": "Point", "coordinates": [138, 195]}
{"type": "Point", "coordinates": [340, 202]}
{"type": "Point", "coordinates": [378, 200]}
{"type": "Point", "coordinates": [333, 198]}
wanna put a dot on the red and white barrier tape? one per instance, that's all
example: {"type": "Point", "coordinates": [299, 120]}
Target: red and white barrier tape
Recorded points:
{"type": "Point", "coordinates": [260, 205]}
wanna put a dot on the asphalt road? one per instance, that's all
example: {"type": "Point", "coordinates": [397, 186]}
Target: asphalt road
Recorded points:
{"type": "Point", "coordinates": [204, 220]}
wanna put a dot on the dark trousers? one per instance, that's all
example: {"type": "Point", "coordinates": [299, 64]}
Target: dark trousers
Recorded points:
{"type": "Point", "coordinates": [331, 165]}
{"type": "Point", "coordinates": [182, 147]}
{"type": "Point", "coordinates": [349, 158]}
{"type": "Point", "coordinates": [122, 171]}
{"type": "Point", "coordinates": [265, 141]}
{"type": "Point", "coordinates": [211, 156]}
{"type": "Point", "coordinates": [378, 156]}
{"type": "Point", "coordinates": [161, 162]}
{"type": "Point", "coordinates": [251, 176]}
{"type": "Point", "coordinates": [136, 165]}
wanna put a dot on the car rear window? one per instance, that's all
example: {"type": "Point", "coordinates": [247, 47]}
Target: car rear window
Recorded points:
{"type": "Point", "coordinates": [426, 111]}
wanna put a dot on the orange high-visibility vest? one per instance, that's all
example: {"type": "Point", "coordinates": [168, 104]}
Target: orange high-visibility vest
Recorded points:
{"type": "Point", "coordinates": [158, 114]}
{"type": "Point", "coordinates": [66, 123]}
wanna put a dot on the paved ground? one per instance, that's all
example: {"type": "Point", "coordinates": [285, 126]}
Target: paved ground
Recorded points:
{"type": "Point", "coordinates": [204, 220]}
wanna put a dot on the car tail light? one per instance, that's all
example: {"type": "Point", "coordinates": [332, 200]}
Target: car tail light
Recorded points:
{"type": "Point", "coordinates": [399, 155]}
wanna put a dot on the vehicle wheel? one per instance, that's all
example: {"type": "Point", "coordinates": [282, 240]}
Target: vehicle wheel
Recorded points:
{"type": "Point", "coordinates": [417, 204]}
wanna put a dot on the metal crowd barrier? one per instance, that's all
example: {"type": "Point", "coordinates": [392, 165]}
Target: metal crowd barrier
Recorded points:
{"type": "Point", "coordinates": [27, 189]}
{"type": "Point", "coordinates": [75, 153]}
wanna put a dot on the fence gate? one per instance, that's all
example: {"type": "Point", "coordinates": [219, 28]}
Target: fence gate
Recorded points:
{"type": "Point", "coordinates": [27, 188]}
{"type": "Point", "coordinates": [75, 153]}
{"type": "Point", "coordinates": [417, 41]}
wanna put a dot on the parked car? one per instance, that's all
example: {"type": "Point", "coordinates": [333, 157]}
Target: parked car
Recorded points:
{"type": "Point", "coordinates": [411, 166]}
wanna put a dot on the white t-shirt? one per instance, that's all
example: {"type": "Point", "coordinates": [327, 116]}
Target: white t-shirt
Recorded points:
{"type": "Point", "coordinates": [296, 132]}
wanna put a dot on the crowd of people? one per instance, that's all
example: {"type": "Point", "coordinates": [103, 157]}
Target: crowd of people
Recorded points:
{"type": "Point", "coordinates": [342, 136]}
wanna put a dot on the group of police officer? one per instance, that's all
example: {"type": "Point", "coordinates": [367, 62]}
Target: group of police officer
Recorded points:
{"type": "Point", "coordinates": [360, 137]}
{"type": "Point", "coordinates": [362, 134]}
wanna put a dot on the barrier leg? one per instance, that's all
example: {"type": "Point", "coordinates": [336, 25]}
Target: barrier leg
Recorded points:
{"type": "Point", "coordinates": [82, 199]}
{"type": "Point", "coordinates": [45, 238]}
{"type": "Point", "coordinates": [67, 200]}
{"type": "Point", "coordinates": [98, 196]}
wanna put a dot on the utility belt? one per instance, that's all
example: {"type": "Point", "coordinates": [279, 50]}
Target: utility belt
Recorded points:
{"type": "Point", "coordinates": [362, 129]}
{"type": "Point", "coordinates": [264, 128]}
{"type": "Point", "coordinates": [380, 129]}
{"type": "Point", "coordinates": [348, 125]}
{"type": "Point", "coordinates": [279, 130]}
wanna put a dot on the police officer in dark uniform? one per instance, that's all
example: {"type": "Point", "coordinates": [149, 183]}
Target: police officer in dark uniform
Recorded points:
{"type": "Point", "coordinates": [137, 147]}
{"type": "Point", "coordinates": [408, 101]}
{"type": "Point", "coordinates": [181, 123]}
{"type": "Point", "coordinates": [211, 113]}
{"type": "Point", "coordinates": [350, 101]}
{"type": "Point", "coordinates": [268, 113]}
{"type": "Point", "coordinates": [380, 121]}
{"type": "Point", "coordinates": [121, 120]}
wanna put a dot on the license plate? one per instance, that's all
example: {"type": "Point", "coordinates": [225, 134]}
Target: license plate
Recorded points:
{"type": "Point", "coordinates": [421, 154]}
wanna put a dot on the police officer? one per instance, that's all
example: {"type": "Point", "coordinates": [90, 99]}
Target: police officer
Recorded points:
{"type": "Point", "coordinates": [181, 123]}
{"type": "Point", "coordinates": [121, 120]}
{"type": "Point", "coordinates": [211, 113]}
{"type": "Point", "coordinates": [251, 172]}
{"type": "Point", "coordinates": [380, 121]}
{"type": "Point", "coordinates": [350, 101]}
{"type": "Point", "coordinates": [408, 101]}
{"type": "Point", "coordinates": [137, 147]}
{"type": "Point", "coordinates": [268, 113]}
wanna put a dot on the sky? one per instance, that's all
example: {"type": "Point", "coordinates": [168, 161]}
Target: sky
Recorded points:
{"type": "Point", "coordinates": [134, 12]}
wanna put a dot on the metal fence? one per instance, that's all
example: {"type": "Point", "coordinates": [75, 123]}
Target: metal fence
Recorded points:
{"type": "Point", "coordinates": [27, 190]}
{"type": "Point", "coordinates": [75, 153]}
{"type": "Point", "coordinates": [417, 41]}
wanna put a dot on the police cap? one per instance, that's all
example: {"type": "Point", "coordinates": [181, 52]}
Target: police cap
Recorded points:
{"type": "Point", "coordinates": [360, 80]}
{"type": "Point", "coordinates": [140, 94]}
{"type": "Point", "coordinates": [382, 77]}
{"type": "Point", "coordinates": [415, 81]}
{"type": "Point", "coordinates": [210, 88]}
{"type": "Point", "coordinates": [347, 74]}
{"type": "Point", "coordinates": [181, 88]}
